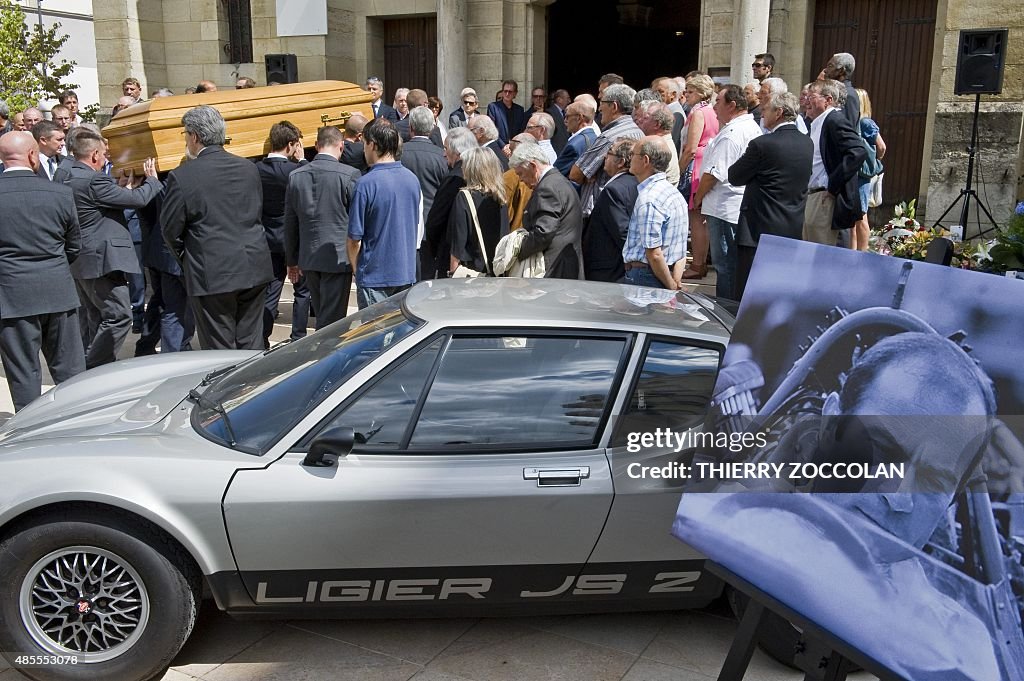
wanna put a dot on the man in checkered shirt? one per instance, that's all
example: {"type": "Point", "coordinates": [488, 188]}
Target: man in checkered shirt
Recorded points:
{"type": "Point", "coordinates": [655, 250]}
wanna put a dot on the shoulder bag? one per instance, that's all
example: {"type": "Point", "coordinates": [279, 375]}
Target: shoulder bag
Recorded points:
{"type": "Point", "coordinates": [463, 272]}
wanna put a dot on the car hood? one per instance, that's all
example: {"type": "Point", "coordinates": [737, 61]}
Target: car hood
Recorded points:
{"type": "Point", "coordinates": [118, 397]}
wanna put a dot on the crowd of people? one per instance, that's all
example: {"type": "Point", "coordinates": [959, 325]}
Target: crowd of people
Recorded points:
{"type": "Point", "coordinates": [608, 188]}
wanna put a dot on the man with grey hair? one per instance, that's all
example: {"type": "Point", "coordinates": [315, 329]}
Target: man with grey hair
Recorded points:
{"type": "Point", "coordinates": [655, 250]}
{"type": "Point", "coordinates": [5, 118]}
{"type": "Point", "coordinates": [486, 134]}
{"type": "Point", "coordinates": [840, 67]}
{"type": "Point", "coordinates": [552, 221]}
{"type": "Point", "coordinates": [517, 193]}
{"type": "Point", "coordinates": [579, 116]}
{"type": "Point", "coordinates": [654, 118]}
{"type": "Point", "coordinates": [616, 110]}
{"type": "Point", "coordinates": [773, 171]}
{"type": "Point", "coordinates": [375, 86]}
{"type": "Point", "coordinates": [718, 200]}
{"type": "Point", "coordinates": [211, 221]}
{"type": "Point", "coordinates": [668, 90]}
{"type": "Point", "coordinates": [416, 98]}
{"type": "Point", "coordinates": [833, 201]}
{"type": "Point", "coordinates": [772, 86]}
{"type": "Point", "coordinates": [542, 127]}
{"type": "Point", "coordinates": [436, 243]}
{"type": "Point", "coordinates": [427, 162]}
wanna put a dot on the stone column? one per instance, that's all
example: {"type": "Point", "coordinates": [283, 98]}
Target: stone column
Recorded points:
{"type": "Point", "coordinates": [750, 37]}
{"type": "Point", "coordinates": [452, 51]}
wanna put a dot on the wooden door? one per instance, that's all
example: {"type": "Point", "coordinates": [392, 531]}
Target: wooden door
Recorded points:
{"type": "Point", "coordinates": [410, 55]}
{"type": "Point", "coordinates": [892, 43]}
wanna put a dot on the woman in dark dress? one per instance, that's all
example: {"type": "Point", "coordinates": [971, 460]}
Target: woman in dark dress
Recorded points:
{"type": "Point", "coordinates": [485, 187]}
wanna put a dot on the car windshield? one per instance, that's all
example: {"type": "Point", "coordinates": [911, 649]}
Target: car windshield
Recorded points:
{"type": "Point", "coordinates": [256, 403]}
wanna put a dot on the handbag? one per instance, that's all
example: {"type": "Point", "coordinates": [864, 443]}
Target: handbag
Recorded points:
{"type": "Point", "coordinates": [463, 272]}
{"type": "Point", "coordinates": [686, 181]}
{"type": "Point", "coordinates": [875, 195]}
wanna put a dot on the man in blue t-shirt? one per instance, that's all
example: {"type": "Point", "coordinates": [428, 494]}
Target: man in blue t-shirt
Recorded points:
{"type": "Point", "coordinates": [384, 218]}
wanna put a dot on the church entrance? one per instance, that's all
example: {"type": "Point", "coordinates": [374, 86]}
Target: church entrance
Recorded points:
{"type": "Point", "coordinates": [638, 39]}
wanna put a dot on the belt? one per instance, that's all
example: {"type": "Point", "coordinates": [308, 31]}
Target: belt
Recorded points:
{"type": "Point", "coordinates": [636, 266]}
{"type": "Point", "coordinates": [815, 190]}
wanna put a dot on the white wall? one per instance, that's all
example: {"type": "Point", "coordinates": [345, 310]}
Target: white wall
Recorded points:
{"type": "Point", "coordinates": [80, 47]}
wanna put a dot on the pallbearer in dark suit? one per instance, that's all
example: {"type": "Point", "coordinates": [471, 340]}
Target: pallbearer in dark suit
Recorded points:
{"type": "Point", "coordinates": [274, 169]}
{"type": "Point", "coordinates": [38, 301]}
{"type": "Point", "coordinates": [553, 218]}
{"type": "Point", "coordinates": [774, 171]}
{"type": "Point", "coordinates": [108, 253]}
{"type": "Point", "coordinates": [352, 154]}
{"type": "Point", "coordinates": [316, 227]}
{"type": "Point", "coordinates": [211, 222]}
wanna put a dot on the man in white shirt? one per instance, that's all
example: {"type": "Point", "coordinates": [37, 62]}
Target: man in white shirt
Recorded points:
{"type": "Point", "coordinates": [718, 200]}
{"type": "Point", "coordinates": [775, 86]}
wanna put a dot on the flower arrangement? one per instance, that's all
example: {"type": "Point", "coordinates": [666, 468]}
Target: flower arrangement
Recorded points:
{"type": "Point", "coordinates": [904, 237]}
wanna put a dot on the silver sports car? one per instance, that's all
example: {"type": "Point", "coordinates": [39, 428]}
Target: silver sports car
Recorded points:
{"type": "Point", "coordinates": [470, 447]}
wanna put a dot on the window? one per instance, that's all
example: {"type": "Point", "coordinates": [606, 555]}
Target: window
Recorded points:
{"type": "Point", "coordinates": [256, 402]}
{"type": "Point", "coordinates": [239, 47]}
{"type": "Point", "coordinates": [381, 414]}
{"type": "Point", "coordinates": [673, 390]}
{"type": "Point", "coordinates": [519, 392]}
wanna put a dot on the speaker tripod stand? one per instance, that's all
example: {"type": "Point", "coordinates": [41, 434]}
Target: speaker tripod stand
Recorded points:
{"type": "Point", "coordinates": [968, 192]}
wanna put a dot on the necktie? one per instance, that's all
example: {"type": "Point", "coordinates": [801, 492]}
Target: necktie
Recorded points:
{"type": "Point", "coordinates": [52, 163]}
{"type": "Point", "coordinates": [376, 108]}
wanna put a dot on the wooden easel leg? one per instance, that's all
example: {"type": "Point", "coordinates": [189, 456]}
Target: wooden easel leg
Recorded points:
{"type": "Point", "coordinates": [743, 644]}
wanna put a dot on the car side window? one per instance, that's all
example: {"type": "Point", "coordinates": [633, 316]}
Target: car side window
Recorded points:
{"type": "Point", "coordinates": [519, 392]}
{"type": "Point", "coordinates": [381, 414]}
{"type": "Point", "coordinates": [672, 391]}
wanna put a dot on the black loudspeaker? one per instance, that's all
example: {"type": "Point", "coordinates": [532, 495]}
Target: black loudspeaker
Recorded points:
{"type": "Point", "coordinates": [281, 68]}
{"type": "Point", "coordinates": [980, 62]}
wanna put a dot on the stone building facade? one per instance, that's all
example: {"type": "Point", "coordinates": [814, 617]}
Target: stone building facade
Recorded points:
{"type": "Point", "coordinates": [480, 42]}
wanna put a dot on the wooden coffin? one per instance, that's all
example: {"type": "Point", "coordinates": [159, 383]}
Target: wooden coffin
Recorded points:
{"type": "Point", "coordinates": [152, 129]}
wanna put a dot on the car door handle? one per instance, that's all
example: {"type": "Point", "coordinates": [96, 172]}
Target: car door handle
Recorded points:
{"type": "Point", "coordinates": [557, 477]}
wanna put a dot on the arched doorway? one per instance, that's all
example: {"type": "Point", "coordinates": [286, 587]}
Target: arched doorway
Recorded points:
{"type": "Point", "coordinates": [639, 40]}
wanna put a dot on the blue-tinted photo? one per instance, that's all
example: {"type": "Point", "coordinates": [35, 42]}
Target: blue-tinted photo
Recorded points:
{"type": "Point", "coordinates": [851, 361]}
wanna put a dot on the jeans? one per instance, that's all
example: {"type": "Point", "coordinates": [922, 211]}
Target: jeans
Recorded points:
{"type": "Point", "coordinates": [365, 297]}
{"type": "Point", "coordinates": [641, 276]}
{"type": "Point", "coordinates": [724, 255]}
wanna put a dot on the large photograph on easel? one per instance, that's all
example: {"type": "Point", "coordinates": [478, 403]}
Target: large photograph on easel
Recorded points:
{"type": "Point", "coordinates": [891, 393]}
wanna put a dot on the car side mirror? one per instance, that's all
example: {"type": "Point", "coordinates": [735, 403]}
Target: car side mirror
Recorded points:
{"type": "Point", "coordinates": [337, 440]}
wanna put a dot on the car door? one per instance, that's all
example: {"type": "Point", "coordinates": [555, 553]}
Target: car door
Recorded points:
{"type": "Point", "coordinates": [667, 400]}
{"type": "Point", "coordinates": [476, 478]}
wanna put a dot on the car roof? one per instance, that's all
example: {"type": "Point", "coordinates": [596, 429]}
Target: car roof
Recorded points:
{"type": "Point", "coordinates": [557, 303]}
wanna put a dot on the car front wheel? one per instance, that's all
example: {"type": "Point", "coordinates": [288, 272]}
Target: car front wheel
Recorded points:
{"type": "Point", "coordinates": [93, 599]}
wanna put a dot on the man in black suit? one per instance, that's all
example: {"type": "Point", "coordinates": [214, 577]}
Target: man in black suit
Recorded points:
{"type": "Point", "coordinates": [774, 171]}
{"type": "Point", "coordinates": [486, 135]}
{"type": "Point", "coordinates": [428, 164]}
{"type": "Point", "coordinates": [553, 219]}
{"type": "Point", "coordinates": [50, 139]}
{"type": "Point", "coordinates": [38, 301]}
{"type": "Point", "coordinates": [352, 155]}
{"type": "Point", "coordinates": [375, 86]}
{"type": "Point", "coordinates": [211, 222]}
{"type": "Point", "coordinates": [316, 227]}
{"type": "Point", "coordinates": [560, 101]}
{"type": "Point", "coordinates": [508, 117]}
{"type": "Point", "coordinates": [833, 202]}
{"type": "Point", "coordinates": [274, 169]}
{"type": "Point", "coordinates": [605, 234]}
{"type": "Point", "coordinates": [436, 241]}
{"type": "Point", "coordinates": [108, 253]}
